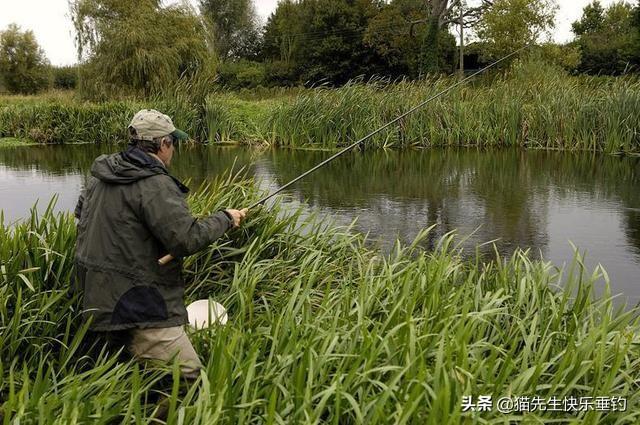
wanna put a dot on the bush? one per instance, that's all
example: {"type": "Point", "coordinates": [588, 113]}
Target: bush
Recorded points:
{"type": "Point", "coordinates": [280, 73]}
{"type": "Point", "coordinates": [241, 74]}
{"type": "Point", "coordinates": [65, 77]}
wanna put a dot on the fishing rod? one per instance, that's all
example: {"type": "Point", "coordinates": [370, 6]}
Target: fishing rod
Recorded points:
{"type": "Point", "coordinates": [167, 258]}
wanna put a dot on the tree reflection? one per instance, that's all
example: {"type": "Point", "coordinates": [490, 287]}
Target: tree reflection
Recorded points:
{"type": "Point", "coordinates": [503, 194]}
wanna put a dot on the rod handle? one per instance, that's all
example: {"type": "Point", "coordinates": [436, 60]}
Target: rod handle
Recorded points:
{"type": "Point", "coordinates": [165, 260]}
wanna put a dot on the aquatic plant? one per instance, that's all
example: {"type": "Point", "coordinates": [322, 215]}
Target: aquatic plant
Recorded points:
{"type": "Point", "coordinates": [545, 110]}
{"type": "Point", "coordinates": [322, 330]}
{"type": "Point", "coordinates": [531, 105]}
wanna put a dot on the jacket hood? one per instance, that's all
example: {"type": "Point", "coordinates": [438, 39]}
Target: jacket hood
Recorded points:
{"type": "Point", "coordinates": [129, 167]}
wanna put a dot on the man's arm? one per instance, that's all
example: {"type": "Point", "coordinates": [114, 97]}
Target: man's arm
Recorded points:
{"type": "Point", "coordinates": [168, 217]}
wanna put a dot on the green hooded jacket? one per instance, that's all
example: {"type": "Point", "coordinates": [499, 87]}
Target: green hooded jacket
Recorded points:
{"type": "Point", "coordinates": [131, 213]}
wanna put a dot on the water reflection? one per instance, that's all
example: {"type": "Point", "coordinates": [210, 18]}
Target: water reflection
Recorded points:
{"type": "Point", "coordinates": [539, 200]}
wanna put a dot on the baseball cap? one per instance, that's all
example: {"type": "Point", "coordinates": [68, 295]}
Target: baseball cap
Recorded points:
{"type": "Point", "coordinates": [149, 124]}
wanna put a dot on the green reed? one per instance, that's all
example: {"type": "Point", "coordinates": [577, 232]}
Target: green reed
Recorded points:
{"type": "Point", "coordinates": [71, 121]}
{"type": "Point", "coordinates": [322, 330]}
{"type": "Point", "coordinates": [530, 105]}
{"type": "Point", "coordinates": [547, 109]}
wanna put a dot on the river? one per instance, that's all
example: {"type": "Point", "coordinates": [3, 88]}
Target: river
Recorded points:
{"type": "Point", "coordinates": [539, 200]}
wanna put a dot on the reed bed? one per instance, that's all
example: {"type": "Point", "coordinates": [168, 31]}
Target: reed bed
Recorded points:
{"type": "Point", "coordinates": [530, 105]}
{"type": "Point", "coordinates": [70, 121]}
{"type": "Point", "coordinates": [322, 330]}
{"type": "Point", "coordinates": [231, 119]}
{"type": "Point", "coordinates": [541, 109]}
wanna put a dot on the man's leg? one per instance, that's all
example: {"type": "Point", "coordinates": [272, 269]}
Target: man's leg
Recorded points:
{"type": "Point", "coordinates": [162, 344]}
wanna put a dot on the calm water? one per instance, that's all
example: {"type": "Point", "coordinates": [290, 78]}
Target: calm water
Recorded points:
{"type": "Point", "coordinates": [539, 200]}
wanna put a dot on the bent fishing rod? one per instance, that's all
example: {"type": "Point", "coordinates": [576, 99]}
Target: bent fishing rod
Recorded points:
{"type": "Point", "coordinates": [167, 258]}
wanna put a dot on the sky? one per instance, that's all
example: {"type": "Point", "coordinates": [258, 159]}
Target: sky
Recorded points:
{"type": "Point", "coordinates": [50, 22]}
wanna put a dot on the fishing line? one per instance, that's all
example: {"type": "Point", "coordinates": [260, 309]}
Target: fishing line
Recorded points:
{"type": "Point", "coordinates": [164, 260]}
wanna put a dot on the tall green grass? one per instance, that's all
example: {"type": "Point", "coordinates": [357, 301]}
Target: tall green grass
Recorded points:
{"type": "Point", "coordinates": [321, 330]}
{"type": "Point", "coordinates": [67, 122]}
{"type": "Point", "coordinates": [59, 119]}
{"type": "Point", "coordinates": [231, 119]}
{"type": "Point", "coordinates": [541, 108]}
{"type": "Point", "coordinates": [530, 105]}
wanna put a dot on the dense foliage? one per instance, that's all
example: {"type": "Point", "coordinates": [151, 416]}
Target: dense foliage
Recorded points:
{"type": "Point", "coordinates": [133, 47]}
{"type": "Point", "coordinates": [511, 24]}
{"type": "Point", "coordinates": [533, 105]}
{"type": "Point", "coordinates": [23, 65]}
{"type": "Point", "coordinates": [65, 77]}
{"type": "Point", "coordinates": [609, 39]}
{"type": "Point", "coordinates": [233, 28]}
{"type": "Point", "coordinates": [313, 42]}
{"type": "Point", "coordinates": [321, 330]}
{"type": "Point", "coordinates": [322, 40]}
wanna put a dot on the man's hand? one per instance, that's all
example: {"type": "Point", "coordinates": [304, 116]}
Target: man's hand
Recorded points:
{"type": "Point", "coordinates": [237, 216]}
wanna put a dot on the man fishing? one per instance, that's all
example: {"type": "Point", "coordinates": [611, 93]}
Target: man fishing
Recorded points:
{"type": "Point", "coordinates": [131, 213]}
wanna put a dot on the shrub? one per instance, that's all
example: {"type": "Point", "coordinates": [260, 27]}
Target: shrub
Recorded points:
{"type": "Point", "coordinates": [241, 74]}
{"type": "Point", "coordinates": [65, 77]}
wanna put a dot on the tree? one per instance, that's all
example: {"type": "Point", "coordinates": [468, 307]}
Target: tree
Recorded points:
{"type": "Point", "coordinates": [136, 46]}
{"type": "Point", "coordinates": [323, 40]}
{"type": "Point", "coordinates": [608, 39]}
{"type": "Point", "coordinates": [592, 20]}
{"type": "Point", "coordinates": [283, 31]}
{"type": "Point", "coordinates": [636, 24]}
{"type": "Point", "coordinates": [333, 48]}
{"type": "Point", "coordinates": [395, 36]}
{"type": "Point", "coordinates": [23, 64]}
{"type": "Point", "coordinates": [511, 24]}
{"type": "Point", "coordinates": [65, 77]}
{"type": "Point", "coordinates": [441, 14]}
{"type": "Point", "coordinates": [233, 28]}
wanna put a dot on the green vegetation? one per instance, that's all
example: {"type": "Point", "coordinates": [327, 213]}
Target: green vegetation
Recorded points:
{"type": "Point", "coordinates": [529, 107]}
{"type": "Point", "coordinates": [533, 105]}
{"type": "Point", "coordinates": [62, 119]}
{"type": "Point", "coordinates": [321, 330]}
{"type": "Point", "coordinates": [512, 24]}
{"type": "Point", "coordinates": [233, 28]}
{"type": "Point", "coordinates": [67, 122]}
{"type": "Point", "coordinates": [23, 64]}
{"type": "Point", "coordinates": [122, 58]}
{"type": "Point", "coordinates": [64, 77]}
{"type": "Point", "coordinates": [10, 142]}
{"type": "Point", "coordinates": [608, 39]}
{"type": "Point", "coordinates": [306, 43]}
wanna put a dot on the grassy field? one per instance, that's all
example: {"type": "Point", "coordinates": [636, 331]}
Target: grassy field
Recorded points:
{"type": "Point", "coordinates": [321, 330]}
{"type": "Point", "coordinates": [531, 106]}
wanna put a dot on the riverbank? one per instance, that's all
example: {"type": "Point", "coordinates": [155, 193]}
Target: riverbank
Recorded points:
{"type": "Point", "coordinates": [12, 142]}
{"type": "Point", "coordinates": [323, 329]}
{"type": "Point", "coordinates": [527, 107]}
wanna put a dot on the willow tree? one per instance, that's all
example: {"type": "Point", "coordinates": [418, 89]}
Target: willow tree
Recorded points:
{"type": "Point", "coordinates": [135, 47]}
